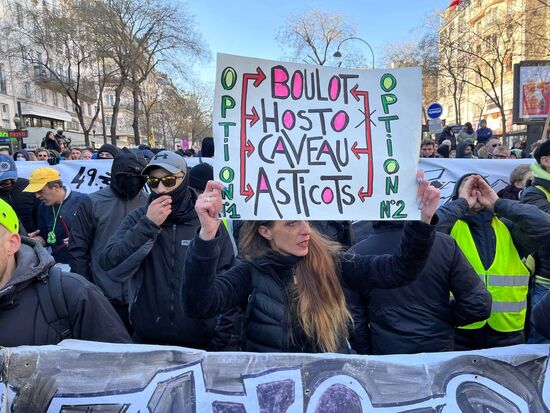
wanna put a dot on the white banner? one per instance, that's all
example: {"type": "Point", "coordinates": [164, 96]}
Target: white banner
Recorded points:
{"type": "Point", "coordinates": [296, 141]}
{"type": "Point", "coordinates": [97, 377]}
{"type": "Point", "coordinates": [84, 176]}
{"type": "Point", "coordinates": [443, 173]}
{"type": "Point", "coordinates": [89, 176]}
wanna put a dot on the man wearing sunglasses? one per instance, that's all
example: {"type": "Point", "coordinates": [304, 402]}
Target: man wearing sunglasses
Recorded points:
{"type": "Point", "coordinates": [11, 191]}
{"type": "Point", "coordinates": [149, 249]}
{"type": "Point", "coordinates": [97, 219]}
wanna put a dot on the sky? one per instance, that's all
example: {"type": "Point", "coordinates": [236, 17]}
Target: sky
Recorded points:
{"type": "Point", "coordinates": [248, 28]}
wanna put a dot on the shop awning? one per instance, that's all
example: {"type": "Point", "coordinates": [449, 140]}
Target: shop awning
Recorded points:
{"type": "Point", "coordinates": [31, 109]}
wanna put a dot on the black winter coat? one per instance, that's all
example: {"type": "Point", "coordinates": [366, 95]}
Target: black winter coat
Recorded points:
{"type": "Point", "coordinates": [22, 319]}
{"type": "Point", "coordinates": [151, 259]}
{"type": "Point", "coordinates": [258, 286]}
{"type": "Point", "coordinates": [540, 316]}
{"type": "Point", "coordinates": [420, 317]}
{"type": "Point", "coordinates": [95, 221]}
{"type": "Point", "coordinates": [25, 204]}
{"type": "Point", "coordinates": [534, 196]}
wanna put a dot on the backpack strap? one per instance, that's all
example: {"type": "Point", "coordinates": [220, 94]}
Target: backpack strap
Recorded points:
{"type": "Point", "coordinates": [52, 302]}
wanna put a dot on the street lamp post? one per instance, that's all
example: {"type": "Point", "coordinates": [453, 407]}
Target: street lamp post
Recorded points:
{"type": "Point", "coordinates": [337, 53]}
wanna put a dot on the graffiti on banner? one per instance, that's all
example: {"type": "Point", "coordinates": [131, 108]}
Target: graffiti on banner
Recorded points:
{"type": "Point", "coordinates": [312, 142]}
{"type": "Point", "coordinates": [85, 376]}
{"type": "Point", "coordinates": [444, 173]}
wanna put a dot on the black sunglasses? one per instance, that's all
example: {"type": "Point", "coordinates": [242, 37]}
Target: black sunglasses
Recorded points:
{"type": "Point", "coordinates": [168, 181]}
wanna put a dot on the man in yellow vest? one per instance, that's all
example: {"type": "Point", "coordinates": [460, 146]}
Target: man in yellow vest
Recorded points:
{"type": "Point", "coordinates": [538, 194]}
{"type": "Point", "coordinates": [490, 231]}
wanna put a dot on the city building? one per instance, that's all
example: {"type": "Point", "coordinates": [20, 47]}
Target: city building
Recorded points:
{"type": "Point", "coordinates": [479, 43]}
{"type": "Point", "coordinates": [33, 87]}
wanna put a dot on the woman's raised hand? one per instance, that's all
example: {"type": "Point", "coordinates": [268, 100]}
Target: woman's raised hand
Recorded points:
{"type": "Point", "coordinates": [208, 208]}
{"type": "Point", "coordinates": [428, 197]}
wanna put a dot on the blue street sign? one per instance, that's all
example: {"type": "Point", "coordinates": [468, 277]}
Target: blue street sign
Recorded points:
{"type": "Point", "coordinates": [435, 110]}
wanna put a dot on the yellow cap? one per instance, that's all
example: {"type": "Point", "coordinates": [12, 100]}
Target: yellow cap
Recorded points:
{"type": "Point", "coordinates": [40, 177]}
{"type": "Point", "coordinates": [8, 217]}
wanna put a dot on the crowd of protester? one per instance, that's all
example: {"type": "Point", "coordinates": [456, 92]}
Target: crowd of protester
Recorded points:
{"type": "Point", "coordinates": [159, 267]}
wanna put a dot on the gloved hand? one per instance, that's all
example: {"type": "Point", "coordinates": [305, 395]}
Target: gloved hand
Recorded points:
{"type": "Point", "coordinates": [54, 158]}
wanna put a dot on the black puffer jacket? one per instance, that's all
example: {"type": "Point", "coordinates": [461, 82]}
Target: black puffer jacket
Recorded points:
{"type": "Point", "coordinates": [262, 287]}
{"type": "Point", "coordinates": [152, 259]}
{"type": "Point", "coordinates": [22, 319]}
{"type": "Point", "coordinates": [419, 317]}
{"type": "Point", "coordinates": [25, 204]}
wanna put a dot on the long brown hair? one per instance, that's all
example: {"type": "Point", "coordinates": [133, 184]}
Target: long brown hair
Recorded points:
{"type": "Point", "coordinates": [318, 297]}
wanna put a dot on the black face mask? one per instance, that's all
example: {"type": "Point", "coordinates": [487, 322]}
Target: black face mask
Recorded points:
{"type": "Point", "coordinates": [126, 185]}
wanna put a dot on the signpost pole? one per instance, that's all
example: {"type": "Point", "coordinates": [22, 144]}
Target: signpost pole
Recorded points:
{"type": "Point", "coordinates": [545, 130]}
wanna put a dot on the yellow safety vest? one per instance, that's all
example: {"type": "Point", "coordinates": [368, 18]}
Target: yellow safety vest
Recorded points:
{"type": "Point", "coordinates": [507, 279]}
{"type": "Point", "coordinates": [545, 191]}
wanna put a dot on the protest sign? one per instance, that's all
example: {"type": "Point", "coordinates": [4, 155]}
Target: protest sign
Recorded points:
{"type": "Point", "coordinates": [295, 141]}
{"type": "Point", "coordinates": [81, 376]}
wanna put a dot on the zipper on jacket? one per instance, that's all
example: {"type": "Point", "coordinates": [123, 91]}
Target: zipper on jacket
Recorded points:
{"type": "Point", "coordinates": [172, 268]}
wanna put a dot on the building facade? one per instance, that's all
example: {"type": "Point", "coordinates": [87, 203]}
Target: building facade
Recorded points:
{"type": "Point", "coordinates": [479, 43]}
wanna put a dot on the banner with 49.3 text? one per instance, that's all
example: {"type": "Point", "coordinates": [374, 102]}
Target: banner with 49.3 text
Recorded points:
{"type": "Point", "coordinates": [295, 141]}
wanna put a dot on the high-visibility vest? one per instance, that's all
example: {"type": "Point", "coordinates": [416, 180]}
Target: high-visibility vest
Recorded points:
{"type": "Point", "coordinates": [545, 191]}
{"type": "Point", "coordinates": [507, 279]}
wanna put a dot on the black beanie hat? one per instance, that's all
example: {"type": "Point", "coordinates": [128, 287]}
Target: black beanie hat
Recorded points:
{"type": "Point", "coordinates": [113, 150]}
{"type": "Point", "coordinates": [207, 147]}
{"type": "Point", "coordinates": [542, 150]}
{"type": "Point", "coordinates": [199, 175]}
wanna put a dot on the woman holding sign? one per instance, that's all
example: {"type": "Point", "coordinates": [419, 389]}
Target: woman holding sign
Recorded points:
{"type": "Point", "coordinates": [290, 277]}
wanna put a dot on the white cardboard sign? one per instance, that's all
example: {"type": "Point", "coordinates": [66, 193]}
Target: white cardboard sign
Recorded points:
{"type": "Point", "coordinates": [296, 141]}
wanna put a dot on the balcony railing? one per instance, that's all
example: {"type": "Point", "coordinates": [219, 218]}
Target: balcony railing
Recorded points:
{"type": "Point", "coordinates": [60, 82]}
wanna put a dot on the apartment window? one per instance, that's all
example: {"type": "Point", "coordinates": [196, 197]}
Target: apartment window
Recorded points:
{"type": "Point", "coordinates": [43, 95]}
{"type": "Point", "coordinates": [89, 110]}
{"type": "Point", "coordinates": [108, 120]}
{"type": "Point", "coordinates": [5, 112]}
{"type": "Point", "coordinates": [24, 56]}
{"type": "Point", "coordinates": [109, 100]}
{"type": "Point", "coordinates": [28, 92]}
{"type": "Point", "coordinates": [2, 80]}
{"type": "Point", "coordinates": [19, 14]}
{"type": "Point", "coordinates": [65, 103]}
{"type": "Point", "coordinates": [55, 99]}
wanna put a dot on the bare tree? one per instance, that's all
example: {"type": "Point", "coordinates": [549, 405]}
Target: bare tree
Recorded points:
{"type": "Point", "coordinates": [421, 52]}
{"type": "Point", "coordinates": [313, 37]}
{"type": "Point", "coordinates": [61, 56]}
{"type": "Point", "coordinates": [140, 36]}
{"type": "Point", "coordinates": [482, 57]}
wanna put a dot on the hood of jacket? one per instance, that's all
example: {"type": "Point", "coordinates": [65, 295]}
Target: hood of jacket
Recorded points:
{"type": "Point", "coordinates": [126, 177]}
{"type": "Point", "coordinates": [22, 152]}
{"type": "Point", "coordinates": [32, 261]}
{"type": "Point", "coordinates": [461, 148]}
{"type": "Point", "coordinates": [107, 147]}
{"type": "Point", "coordinates": [18, 186]}
{"type": "Point", "coordinates": [454, 195]}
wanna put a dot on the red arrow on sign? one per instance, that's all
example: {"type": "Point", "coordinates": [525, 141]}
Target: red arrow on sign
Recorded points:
{"type": "Point", "coordinates": [249, 192]}
{"type": "Point", "coordinates": [253, 118]}
{"type": "Point", "coordinates": [356, 151]}
{"type": "Point", "coordinates": [362, 194]}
